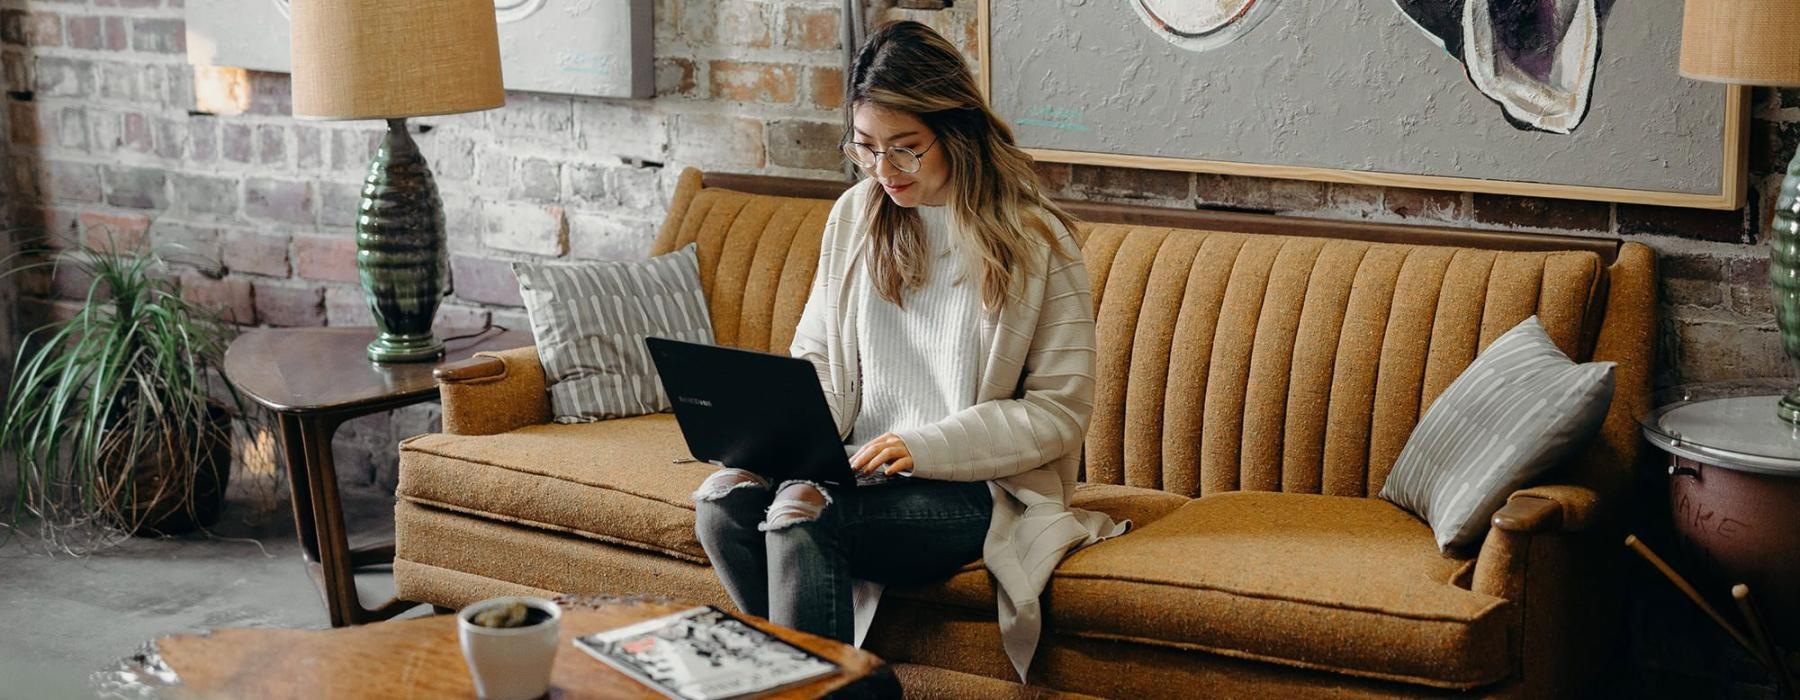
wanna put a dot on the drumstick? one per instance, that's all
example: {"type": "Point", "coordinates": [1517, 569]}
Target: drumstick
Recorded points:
{"type": "Point", "coordinates": [1643, 550]}
{"type": "Point", "coordinates": [1741, 594]}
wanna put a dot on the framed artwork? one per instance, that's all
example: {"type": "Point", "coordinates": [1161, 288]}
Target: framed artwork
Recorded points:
{"type": "Point", "coordinates": [1576, 99]}
{"type": "Point", "coordinates": [599, 48]}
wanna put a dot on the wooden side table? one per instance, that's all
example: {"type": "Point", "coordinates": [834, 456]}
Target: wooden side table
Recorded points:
{"type": "Point", "coordinates": [315, 379]}
{"type": "Point", "coordinates": [1734, 495]}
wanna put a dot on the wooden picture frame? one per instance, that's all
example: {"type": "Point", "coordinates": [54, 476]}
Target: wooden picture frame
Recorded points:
{"type": "Point", "coordinates": [561, 47]}
{"type": "Point", "coordinates": [1729, 195]}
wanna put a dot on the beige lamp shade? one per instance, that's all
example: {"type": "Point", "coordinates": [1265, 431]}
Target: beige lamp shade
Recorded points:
{"type": "Point", "coordinates": [386, 59]}
{"type": "Point", "coordinates": [1743, 42]}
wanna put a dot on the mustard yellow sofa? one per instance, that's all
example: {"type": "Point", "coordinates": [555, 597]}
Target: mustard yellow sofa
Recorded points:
{"type": "Point", "coordinates": [1254, 390]}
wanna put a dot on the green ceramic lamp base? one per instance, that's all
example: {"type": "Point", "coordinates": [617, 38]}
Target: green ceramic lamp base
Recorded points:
{"type": "Point", "coordinates": [402, 348]}
{"type": "Point", "coordinates": [400, 253]}
{"type": "Point", "coordinates": [1789, 407]}
{"type": "Point", "coordinates": [1784, 274]}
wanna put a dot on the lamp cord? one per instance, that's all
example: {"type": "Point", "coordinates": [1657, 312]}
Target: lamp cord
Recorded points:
{"type": "Point", "coordinates": [491, 326]}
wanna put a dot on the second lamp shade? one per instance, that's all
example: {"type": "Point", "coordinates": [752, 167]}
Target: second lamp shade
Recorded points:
{"type": "Point", "coordinates": [385, 59]}
{"type": "Point", "coordinates": [1744, 42]}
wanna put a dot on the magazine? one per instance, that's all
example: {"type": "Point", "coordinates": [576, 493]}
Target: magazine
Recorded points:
{"type": "Point", "coordinates": [704, 653]}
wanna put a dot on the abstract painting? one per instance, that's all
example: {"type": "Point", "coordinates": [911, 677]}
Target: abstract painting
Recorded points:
{"type": "Point", "coordinates": [1577, 99]}
{"type": "Point", "coordinates": [1534, 58]}
{"type": "Point", "coordinates": [600, 48]}
{"type": "Point", "coordinates": [1201, 26]}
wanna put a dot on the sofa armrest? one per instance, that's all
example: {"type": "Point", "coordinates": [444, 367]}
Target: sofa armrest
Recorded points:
{"type": "Point", "coordinates": [1529, 515]}
{"type": "Point", "coordinates": [494, 392]}
{"type": "Point", "coordinates": [1539, 510]}
{"type": "Point", "coordinates": [473, 369]}
{"type": "Point", "coordinates": [1549, 508]}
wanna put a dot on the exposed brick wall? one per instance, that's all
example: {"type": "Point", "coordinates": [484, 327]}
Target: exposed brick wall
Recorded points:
{"type": "Point", "coordinates": [101, 142]}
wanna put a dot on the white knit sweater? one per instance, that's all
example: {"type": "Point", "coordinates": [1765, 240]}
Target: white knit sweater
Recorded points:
{"type": "Point", "coordinates": [1024, 432]}
{"type": "Point", "coordinates": [921, 360]}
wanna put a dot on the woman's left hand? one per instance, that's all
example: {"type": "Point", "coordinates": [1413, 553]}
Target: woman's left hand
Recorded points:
{"type": "Point", "coordinates": [886, 455]}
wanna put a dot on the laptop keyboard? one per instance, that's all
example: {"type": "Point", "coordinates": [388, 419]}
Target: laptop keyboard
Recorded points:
{"type": "Point", "coordinates": [876, 479]}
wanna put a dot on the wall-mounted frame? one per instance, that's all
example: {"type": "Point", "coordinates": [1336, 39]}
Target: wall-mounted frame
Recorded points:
{"type": "Point", "coordinates": [1453, 95]}
{"type": "Point", "coordinates": [600, 48]}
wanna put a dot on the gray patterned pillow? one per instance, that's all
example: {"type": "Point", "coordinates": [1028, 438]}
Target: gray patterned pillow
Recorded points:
{"type": "Point", "coordinates": [1518, 410]}
{"type": "Point", "coordinates": [590, 320]}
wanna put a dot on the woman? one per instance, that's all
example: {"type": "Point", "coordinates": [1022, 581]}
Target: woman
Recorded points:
{"type": "Point", "coordinates": [952, 328]}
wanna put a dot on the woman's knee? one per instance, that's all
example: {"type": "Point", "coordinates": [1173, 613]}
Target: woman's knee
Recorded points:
{"type": "Point", "coordinates": [731, 500]}
{"type": "Point", "coordinates": [796, 502]}
{"type": "Point", "coordinates": [724, 482]}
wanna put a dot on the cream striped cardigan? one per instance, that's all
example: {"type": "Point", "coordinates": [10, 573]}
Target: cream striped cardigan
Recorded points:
{"type": "Point", "coordinates": [1024, 434]}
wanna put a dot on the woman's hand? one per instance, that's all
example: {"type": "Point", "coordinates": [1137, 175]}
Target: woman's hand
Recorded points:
{"type": "Point", "coordinates": [885, 455]}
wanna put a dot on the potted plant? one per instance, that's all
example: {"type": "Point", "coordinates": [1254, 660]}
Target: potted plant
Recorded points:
{"type": "Point", "coordinates": [110, 414]}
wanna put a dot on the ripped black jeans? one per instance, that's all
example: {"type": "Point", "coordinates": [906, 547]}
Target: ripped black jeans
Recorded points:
{"type": "Point", "coordinates": [789, 553]}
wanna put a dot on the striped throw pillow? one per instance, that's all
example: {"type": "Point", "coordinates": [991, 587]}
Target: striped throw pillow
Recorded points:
{"type": "Point", "coordinates": [590, 320]}
{"type": "Point", "coordinates": [1519, 409]}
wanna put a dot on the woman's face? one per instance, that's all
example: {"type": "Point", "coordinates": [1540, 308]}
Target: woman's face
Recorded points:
{"type": "Point", "coordinates": [881, 129]}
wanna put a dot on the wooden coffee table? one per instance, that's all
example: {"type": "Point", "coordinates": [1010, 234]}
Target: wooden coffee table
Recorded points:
{"type": "Point", "coordinates": [421, 658]}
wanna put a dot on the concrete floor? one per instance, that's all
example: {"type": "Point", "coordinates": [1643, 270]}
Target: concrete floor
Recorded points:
{"type": "Point", "coordinates": [63, 618]}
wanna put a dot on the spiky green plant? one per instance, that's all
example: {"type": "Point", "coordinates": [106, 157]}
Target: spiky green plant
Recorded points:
{"type": "Point", "coordinates": [108, 413]}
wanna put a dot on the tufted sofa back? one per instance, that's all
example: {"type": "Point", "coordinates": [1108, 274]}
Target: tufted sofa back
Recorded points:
{"type": "Point", "coordinates": [757, 255]}
{"type": "Point", "coordinates": [1231, 361]}
{"type": "Point", "coordinates": [1235, 361]}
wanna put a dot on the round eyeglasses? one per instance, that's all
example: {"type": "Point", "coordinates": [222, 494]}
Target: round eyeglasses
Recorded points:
{"type": "Point", "coordinates": [905, 160]}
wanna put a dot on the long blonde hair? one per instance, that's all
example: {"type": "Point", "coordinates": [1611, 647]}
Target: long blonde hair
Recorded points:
{"type": "Point", "coordinates": [994, 193]}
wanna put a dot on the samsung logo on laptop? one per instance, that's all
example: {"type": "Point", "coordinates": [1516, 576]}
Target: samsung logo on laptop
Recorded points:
{"type": "Point", "coordinates": [694, 401]}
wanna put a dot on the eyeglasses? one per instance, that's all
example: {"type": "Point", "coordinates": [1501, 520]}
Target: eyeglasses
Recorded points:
{"type": "Point", "coordinates": [905, 160]}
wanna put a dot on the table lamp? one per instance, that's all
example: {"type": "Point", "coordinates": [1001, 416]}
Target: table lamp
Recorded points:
{"type": "Point", "coordinates": [394, 59]}
{"type": "Point", "coordinates": [1757, 42]}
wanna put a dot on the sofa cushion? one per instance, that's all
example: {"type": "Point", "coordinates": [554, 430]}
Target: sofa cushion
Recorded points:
{"type": "Point", "coordinates": [1139, 505]}
{"type": "Point", "coordinates": [612, 480]}
{"type": "Point", "coordinates": [616, 481]}
{"type": "Point", "coordinates": [921, 681]}
{"type": "Point", "coordinates": [1354, 585]}
{"type": "Point", "coordinates": [972, 588]}
{"type": "Point", "coordinates": [488, 553]}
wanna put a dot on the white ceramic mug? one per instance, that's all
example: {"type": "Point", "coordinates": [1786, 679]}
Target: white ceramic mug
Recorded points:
{"type": "Point", "coordinates": [512, 663]}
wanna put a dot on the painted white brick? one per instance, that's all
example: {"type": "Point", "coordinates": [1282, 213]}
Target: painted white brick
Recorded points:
{"type": "Point", "coordinates": [724, 141]}
{"type": "Point", "coordinates": [610, 236]}
{"type": "Point", "coordinates": [525, 228]}
{"type": "Point", "coordinates": [622, 129]}
{"type": "Point", "coordinates": [462, 221]}
{"type": "Point", "coordinates": [636, 188]}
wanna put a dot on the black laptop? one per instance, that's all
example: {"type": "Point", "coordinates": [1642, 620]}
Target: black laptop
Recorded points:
{"type": "Point", "coordinates": [751, 410]}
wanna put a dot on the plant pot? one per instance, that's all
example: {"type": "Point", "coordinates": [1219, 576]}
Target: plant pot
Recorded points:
{"type": "Point", "coordinates": [166, 500]}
